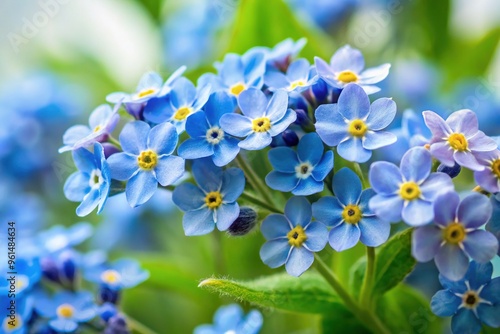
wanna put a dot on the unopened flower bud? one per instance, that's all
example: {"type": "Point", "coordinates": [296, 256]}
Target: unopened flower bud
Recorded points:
{"type": "Point", "coordinates": [245, 222]}
{"type": "Point", "coordinates": [451, 171]}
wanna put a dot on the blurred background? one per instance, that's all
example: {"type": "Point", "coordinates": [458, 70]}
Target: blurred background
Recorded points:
{"type": "Point", "coordinates": [60, 58]}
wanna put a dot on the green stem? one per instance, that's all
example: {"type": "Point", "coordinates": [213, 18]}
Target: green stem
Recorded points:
{"type": "Point", "coordinates": [371, 321]}
{"type": "Point", "coordinates": [365, 295]}
{"type": "Point", "coordinates": [114, 141]}
{"type": "Point", "coordinates": [251, 198]}
{"type": "Point", "coordinates": [357, 169]}
{"type": "Point", "coordinates": [253, 178]}
{"type": "Point", "coordinates": [137, 326]}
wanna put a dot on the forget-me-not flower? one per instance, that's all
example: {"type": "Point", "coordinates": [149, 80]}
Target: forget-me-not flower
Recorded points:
{"type": "Point", "coordinates": [16, 323]}
{"type": "Point", "coordinates": [354, 126]}
{"type": "Point", "coordinates": [299, 76]}
{"type": "Point", "coordinates": [231, 319]}
{"type": "Point", "coordinates": [58, 237]}
{"type": "Point", "coordinates": [494, 224]}
{"type": "Point", "coordinates": [121, 274]}
{"type": "Point", "coordinates": [261, 120]}
{"type": "Point", "coordinates": [147, 160]}
{"type": "Point", "coordinates": [489, 177]}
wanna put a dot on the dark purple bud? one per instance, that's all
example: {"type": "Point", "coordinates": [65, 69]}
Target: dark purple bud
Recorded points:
{"type": "Point", "coordinates": [117, 325]}
{"type": "Point", "coordinates": [451, 171]}
{"type": "Point", "coordinates": [136, 110]}
{"type": "Point", "coordinates": [68, 265]}
{"type": "Point", "coordinates": [335, 94]}
{"type": "Point", "coordinates": [245, 222]}
{"type": "Point", "coordinates": [50, 270]}
{"type": "Point", "coordinates": [107, 311]}
{"type": "Point", "coordinates": [290, 137]}
{"type": "Point", "coordinates": [108, 295]}
{"type": "Point", "coordinates": [109, 149]}
{"type": "Point", "coordinates": [320, 90]}
{"type": "Point", "coordinates": [302, 117]}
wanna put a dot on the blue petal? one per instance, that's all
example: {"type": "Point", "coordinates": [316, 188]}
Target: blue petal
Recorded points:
{"type": "Point", "coordinates": [451, 262]}
{"type": "Point", "coordinates": [328, 211]}
{"type": "Point", "coordinates": [283, 159]}
{"type": "Point", "coordinates": [323, 167]}
{"type": "Point", "coordinates": [426, 241]}
{"type": "Point", "coordinates": [454, 286]}
{"type": "Point", "coordinates": [330, 124]}
{"type": "Point", "coordinates": [417, 212]}
{"type": "Point", "coordinates": [134, 136]}
{"type": "Point", "coordinates": [198, 222]}
{"type": "Point", "coordinates": [158, 109]}
{"type": "Point", "coordinates": [207, 175]}
{"type": "Point", "coordinates": [163, 139]}
{"type": "Point", "coordinates": [140, 188]}
{"type": "Point", "coordinates": [226, 151]}
{"type": "Point", "coordinates": [374, 74]}
{"type": "Point", "coordinates": [299, 261]}
{"type": "Point", "coordinates": [73, 135]}
{"type": "Point", "coordinates": [236, 125]}
{"type": "Point", "coordinates": [276, 80]}
{"type": "Point", "coordinates": [364, 199]}
{"type": "Point", "coordinates": [218, 104]}
{"type": "Point", "coordinates": [123, 166]}
{"type": "Point", "coordinates": [489, 314]}
{"type": "Point", "coordinates": [253, 103]}
{"type": "Point", "coordinates": [317, 236]}
{"type": "Point", "coordinates": [479, 274]}
{"type": "Point", "coordinates": [197, 125]}
{"type": "Point", "coordinates": [347, 58]}
{"type": "Point", "coordinates": [353, 102]}
{"type": "Point", "coordinates": [465, 322]}
{"type": "Point", "coordinates": [233, 184]}
{"type": "Point", "coordinates": [416, 164]}
{"type": "Point", "coordinates": [84, 160]}
{"type": "Point", "coordinates": [387, 208]}
{"type": "Point", "coordinates": [188, 197]}
{"type": "Point", "coordinates": [325, 72]}
{"type": "Point", "coordinates": [278, 106]}
{"type": "Point", "coordinates": [374, 232]}
{"type": "Point", "coordinates": [298, 70]}
{"type": "Point", "coordinates": [76, 186]}
{"type": "Point", "coordinates": [382, 113]}
{"type": "Point", "coordinates": [232, 69]}
{"type": "Point", "coordinates": [275, 226]}
{"type": "Point", "coordinates": [474, 210]}
{"type": "Point", "coordinates": [491, 292]}
{"type": "Point", "coordinates": [183, 93]}
{"type": "Point", "coordinates": [385, 177]}
{"type": "Point", "coordinates": [298, 211]}
{"type": "Point", "coordinates": [352, 150]}
{"type": "Point", "coordinates": [282, 181]}
{"type": "Point", "coordinates": [89, 203]}
{"type": "Point", "coordinates": [307, 187]}
{"type": "Point", "coordinates": [256, 141]}
{"type": "Point", "coordinates": [347, 186]}
{"type": "Point", "coordinates": [375, 140]}
{"type": "Point", "coordinates": [445, 303]}
{"type": "Point", "coordinates": [150, 80]}
{"type": "Point", "coordinates": [344, 236]}
{"type": "Point", "coordinates": [195, 149]}
{"type": "Point", "coordinates": [436, 184]}
{"type": "Point", "coordinates": [310, 148]}
{"type": "Point", "coordinates": [169, 169]}
{"type": "Point", "coordinates": [226, 214]}
{"type": "Point", "coordinates": [281, 125]}
{"type": "Point", "coordinates": [63, 325]}
{"type": "Point", "coordinates": [481, 245]}
{"type": "Point", "coordinates": [274, 253]}
{"type": "Point", "coordinates": [228, 317]}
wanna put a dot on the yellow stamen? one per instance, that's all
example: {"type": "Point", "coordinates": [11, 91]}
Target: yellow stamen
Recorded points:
{"type": "Point", "coordinates": [97, 128]}
{"type": "Point", "coordinates": [352, 214]}
{"type": "Point", "coordinates": [470, 299]}
{"type": "Point", "coordinates": [213, 199]}
{"type": "Point", "coordinates": [454, 233]}
{"type": "Point", "coordinates": [261, 124]}
{"type": "Point", "coordinates": [495, 168]}
{"type": "Point", "coordinates": [409, 191]}
{"type": "Point", "coordinates": [182, 113]}
{"type": "Point", "coordinates": [147, 160]}
{"type": "Point", "coordinates": [111, 276]}
{"type": "Point", "coordinates": [237, 89]}
{"type": "Point", "coordinates": [297, 83]}
{"type": "Point", "coordinates": [357, 128]}
{"type": "Point", "coordinates": [146, 92]}
{"type": "Point", "coordinates": [297, 236]}
{"type": "Point", "coordinates": [65, 311]}
{"type": "Point", "coordinates": [347, 77]}
{"type": "Point", "coordinates": [458, 142]}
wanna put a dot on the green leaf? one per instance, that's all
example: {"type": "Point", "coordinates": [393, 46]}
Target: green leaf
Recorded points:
{"type": "Point", "coordinates": [268, 22]}
{"type": "Point", "coordinates": [309, 293]}
{"type": "Point", "coordinates": [394, 261]}
{"type": "Point", "coordinates": [434, 17]}
{"type": "Point", "coordinates": [342, 322]}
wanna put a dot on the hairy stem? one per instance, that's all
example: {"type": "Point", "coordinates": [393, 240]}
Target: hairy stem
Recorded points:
{"type": "Point", "coordinates": [257, 201]}
{"type": "Point", "coordinates": [366, 288]}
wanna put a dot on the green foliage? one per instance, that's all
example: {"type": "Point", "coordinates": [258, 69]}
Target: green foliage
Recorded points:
{"type": "Point", "coordinates": [342, 322]}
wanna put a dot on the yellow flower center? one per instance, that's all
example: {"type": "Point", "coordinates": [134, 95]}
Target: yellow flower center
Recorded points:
{"type": "Point", "coordinates": [111, 276]}
{"type": "Point", "coordinates": [458, 142]}
{"type": "Point", "coordinates": [352, 214]}
{"type": "Point", "coordinates": [65, 311]}
{"type": "Point", "coordinates": [454, 233]}
{"type": "Point", "coordinates": [182, 113]}
{"type": "Point", "coordinates": [470, 299]}
{"type": "Point", "coordinates": [409, 191]}
{"type": "Point", "coordinates": [261, 124]}
{"type": "Point", "coordinates": [237, 89]}
{"type": "Point", "coordinates": [495, 167]}
{"type": "Point", "coordinates": [146, 92]}
{"type": "Point", "coordinates": [297, 83]}
{"type": "Point", "coordinates": [347, 77]}
{"type": "Point", "coordinates": [213, 199]}
{"type": "Point", "coordinates": [97, 128]}
{"type": "Point", "coordinates": [12, 324]}
{"type": "Point", "coordinates": [297, 236]}
{"type": "Point", "coordinates": [357, 128]}
{"type": "Point", "coordinates": [147, 160]}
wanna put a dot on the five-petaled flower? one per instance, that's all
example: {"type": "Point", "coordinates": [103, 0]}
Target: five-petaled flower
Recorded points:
{"type": "Point", "coordinates": [231, 319]}
{"type": "Point", "coordinates": [299, 77]}
{"type": "Point", "coordinates": [489, 177]}
{"type": "Point", "coordinates": [121, 274]}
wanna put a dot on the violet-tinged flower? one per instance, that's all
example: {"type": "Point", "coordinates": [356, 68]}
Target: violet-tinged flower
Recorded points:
{"type": "Point", "coordinates": [102, 122]}
{"type": "Point", "coordinates": [471, 302]}
{"type": "Point", "coordinates": [298, 77]}
{"type": "Point", "coordinates": [458, 139]}
{"type": "Point", "coordinates": [280, 56]}
{"type": "Point", "coordinates": [489, 177]}
{"type": "Point", "coordinates": [349, 215]}
{"type": "Point", "coordinates": [292, 238]}
{"type": "Point", "coordinates": [407, 192]}
{"type": "Point", "coordinates": [455, 235]}
{"type": "Point", "coordinates": [354, 126]}
{"type": "Point", "coordinates": [231, 319]}
{"type": "Point", "coordinates": [494, 224]}
{"type": "Point", "coordinates": [261, 120]}
{"type": "Point", "coordinates": [346, 66]}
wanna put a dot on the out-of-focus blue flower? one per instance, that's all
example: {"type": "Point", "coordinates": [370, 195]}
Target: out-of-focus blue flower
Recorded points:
{"type": "Point", "coordinates": [354, 126]}
{"type": "Point", "coordinates": [107, 311]}
{"type": "Point", "coordinates": [65, 310]}
{"type": "Point", "coordinates": [27, 210]}
{"type": "Point", "coordinates": [102, 122]}
{"type": "Point", "coordinates": [121, 274]}
{"type": "Point", "coordinates": [455, 235]}
{"type": "Point", "coordinates": [407, 192]}
{"type": "Point", "coordinates": [292, 238]}
{"type": "Point", "coordinates": [349, 215]}
{"type": "Point", "coordinates": [237, 73]}
{"type": "Point", "coordinates": [64, 266]}
{"type": "Point", "coordinates": [489, 177]}
{"type": "Point", "coordinates": [471, 302]}
{"type": "Point", "coordinates": [211, 203]}
{"type": "Point", "coordinates": [346, 66]}
{"type": "Point", "coordinates": [231, 319]}
{"type": "Point", "coordinates": [261, 120]}
{"type": "Point", "coordinates": [494, 224]}
{"type": "Point", "coordinates": [90, 185]}
{"type": "Point", "coordinates": [117, 325]}
{"type": "Point", "coordinates": [300, 172]}
{"type": "Point", "coordinates": [207, 137]}
{"type": "Point", "coordinates": [28, 274]}
{"type": "Point", "coordinates": [146, 160]}
{"type": "Point", "coordinates": [183, 101]}
{"type": "Point", "coordinates": [58, 237]}
{"type": "Point", "coordinates": [299, 77]}
{"type": "Point", "coordinates": [16, 317]}
{"type": "Point", "coordinates": [281, 55]}
{"type": "Point", "coordinates": [324, 13]}
{"type": "Point", "coordinates": [458, 139]}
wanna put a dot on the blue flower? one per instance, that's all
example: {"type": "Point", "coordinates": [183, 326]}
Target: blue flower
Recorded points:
{"type": "Point", "coordinates": [102, 122]}
{"type": "Point", "coordinates": [91, 184]}
{"type": "Point", "coordinates": [489, 177]}
{"type": "Point", "coordinates": [349, 215]}
{"type": "Point", "coordinates": [211, 203]}
{"type": "Point", "coordinates": [207, 137]}
{"type": "Point", "coordinates": [231, 319]}
{"type": "Point", "coordinates": [280, 56]}
{"type": "Point", "coordinates": [407, 192]}
{"type": "Point", "coordinates": [299, 77]}
{"type": "Point", "coordinates": [346, 66]}
{"type": "Point", "coordinates": [146, 160]}
{"type": "Point", "coordinates": [121, 274]}
{"type": "Point", "coordinates": [292, 238]}
{"type": "Point", "coordinates": [65, 310]}
{"type": "Point", "coordinates": [471, 302]}
{"type": "Point", "coordinates": [58, 237]}
{"type": "Point", "coordinates": [354, 125]}
{"type": "Point", "coordinates": [455, 235]}
{"type": "Point", "coordinates": [183, 101]}
{"type": "Point", "coordinates": [300, 172]}
{"type": "Point", "coordinates": [261, 120]}
{"type": "Point", "coordinates": [28, 275]}
{"type": "Point", "coordinates": [15, 318]}
{"type": "Point", "coordinates": [494, 224]}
